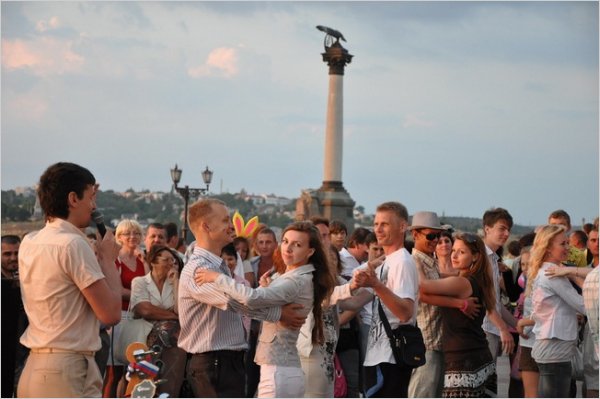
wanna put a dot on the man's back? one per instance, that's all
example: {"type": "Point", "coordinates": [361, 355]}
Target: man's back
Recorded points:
{"type": "Point", "coordinates": [56, 263]}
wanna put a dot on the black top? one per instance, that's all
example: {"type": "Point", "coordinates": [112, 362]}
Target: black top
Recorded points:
{"type": "Point", "coordinates": [461, 333]}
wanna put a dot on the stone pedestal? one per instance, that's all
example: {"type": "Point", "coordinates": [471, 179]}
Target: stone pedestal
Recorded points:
{"type": "Point", "coordinates": [331, 200]}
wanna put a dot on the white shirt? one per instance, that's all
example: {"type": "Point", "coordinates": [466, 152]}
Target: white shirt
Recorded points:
{"type": "Point", "coordinates": [304, 343]}
{"type": "Point", "coordinates": [487, 325]}
{"type": "Point", "coordinates": [555, 306]}
{"type": "Point", "coordinates": [366, 312]}
{"type": "Point", "coordinates": [400, 276]}
{"type": "Point", "coordinates": [144, 289]}
{"type": "Point", "coordinates": [349, 263]}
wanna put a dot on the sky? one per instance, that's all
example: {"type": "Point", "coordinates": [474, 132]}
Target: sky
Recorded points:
{"type": "Point", "coordinates": [453, 107]}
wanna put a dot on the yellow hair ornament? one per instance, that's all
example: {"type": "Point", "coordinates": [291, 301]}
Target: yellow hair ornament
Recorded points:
{"type": "Point", "coordinates": [244, 229]}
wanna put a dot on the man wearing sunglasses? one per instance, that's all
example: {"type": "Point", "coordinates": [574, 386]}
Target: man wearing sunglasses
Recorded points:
{"type": "Point", "coordinates": [427, 381]}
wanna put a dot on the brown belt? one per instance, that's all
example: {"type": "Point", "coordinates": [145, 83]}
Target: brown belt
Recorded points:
{"type": "Point", "coordinates": [56, 350]}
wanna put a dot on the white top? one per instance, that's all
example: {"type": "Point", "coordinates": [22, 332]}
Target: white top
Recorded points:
{"type": "Point", "coordinates": [527, 308]}
{"type": "Point", "coordinates": [144, 289]}
{"type": "Point", "coordinates": [304, 343]}
{"type": "Point", "coordinates": [555, 306]}
{"type": "Point", "coordinates": [400, 276]}
{"type": "Point", "coordinates": [349, 263]}
{"type": "Point", "coordinates": [487, 325]}
{"type": "Point", "coordinates": [366, 312]}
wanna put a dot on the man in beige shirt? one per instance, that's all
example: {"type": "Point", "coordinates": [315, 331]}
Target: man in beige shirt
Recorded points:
{"type": "Point", "coordinates": [66, 291]}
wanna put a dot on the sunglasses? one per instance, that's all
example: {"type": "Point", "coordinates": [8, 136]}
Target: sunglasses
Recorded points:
{"type": "Point", "coordinates": [432, 236]}
{"type": "Point", "coordinates": [468, 237]}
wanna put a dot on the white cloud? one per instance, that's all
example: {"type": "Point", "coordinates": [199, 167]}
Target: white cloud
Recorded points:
{"type": "Point", "coordinates": [221, 62]}
{"type": "Point", "coordinates": [43, 56]}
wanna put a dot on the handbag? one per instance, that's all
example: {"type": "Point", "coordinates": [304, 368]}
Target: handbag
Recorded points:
{"type": "Point", "coordinates": [577, 363]}
{"type": "Point", "coordinates": [340, 385]}
{"type": "Point", "coordinates": [406, 341]}
{"type": "Point", "coordinates": [131, 330]}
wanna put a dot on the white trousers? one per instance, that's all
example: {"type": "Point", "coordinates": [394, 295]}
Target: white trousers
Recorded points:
{"type": "Point", "coordinates": [280, 382]}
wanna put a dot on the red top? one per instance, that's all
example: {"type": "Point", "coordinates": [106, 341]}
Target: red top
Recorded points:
{"type": "Point", "coordinates": [127, 275]}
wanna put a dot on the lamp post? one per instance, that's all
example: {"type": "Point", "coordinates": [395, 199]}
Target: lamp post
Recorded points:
{"type": "Point", "coordinates": [187, 191]}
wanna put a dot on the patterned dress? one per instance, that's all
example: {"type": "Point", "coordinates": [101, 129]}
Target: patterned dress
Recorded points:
{"type": "Point", "coordinates": [468, 361]}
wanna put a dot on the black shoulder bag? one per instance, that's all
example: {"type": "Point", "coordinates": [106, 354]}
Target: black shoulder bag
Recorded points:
{"type": "Point", "coordinates": [406, 341]}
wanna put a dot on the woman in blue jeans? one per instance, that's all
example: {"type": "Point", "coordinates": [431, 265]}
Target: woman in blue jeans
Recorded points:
{"type": "Point", "coordinates": [555, 308]}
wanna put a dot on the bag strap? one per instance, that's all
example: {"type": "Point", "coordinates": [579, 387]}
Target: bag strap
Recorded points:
{"type": "Point", "coordinates": [387, 327]}
{"type": "Point", "coordinates": [386, 324]}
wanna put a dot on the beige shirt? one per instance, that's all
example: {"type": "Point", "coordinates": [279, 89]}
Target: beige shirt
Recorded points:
{"type": "Point", "coordinates": [55, 265]}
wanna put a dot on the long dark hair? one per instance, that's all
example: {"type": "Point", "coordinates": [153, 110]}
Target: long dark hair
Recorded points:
{"type": "Point", "coordinates": [323, 281]}
{"type": "Point", "coordinates": [480, 269]}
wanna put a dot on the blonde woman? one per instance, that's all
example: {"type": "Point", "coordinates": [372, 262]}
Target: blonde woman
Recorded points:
{"type": "Point", "coordinates": [130, 265]}
{"type": "Point", "coordinates": [555, 308]}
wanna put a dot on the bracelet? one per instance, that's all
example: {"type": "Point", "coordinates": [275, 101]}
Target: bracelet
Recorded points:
{"type": "Point", "coordinates": [464, 306]}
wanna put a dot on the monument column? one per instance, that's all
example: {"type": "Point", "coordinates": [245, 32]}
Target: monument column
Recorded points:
{"type": "Point", "coordinates": [335, 202]}
{"type": "Point", "coordinates": [331, 200]}
{"type": "Point", "coordinates": [334, 138]}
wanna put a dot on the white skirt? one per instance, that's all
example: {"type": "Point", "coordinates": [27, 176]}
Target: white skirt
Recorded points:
{"type": "Point", "coordinates": [280, 382]}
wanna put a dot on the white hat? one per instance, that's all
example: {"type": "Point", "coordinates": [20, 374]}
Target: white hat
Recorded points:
{"type": "Point", "coordinates": [426, 220]}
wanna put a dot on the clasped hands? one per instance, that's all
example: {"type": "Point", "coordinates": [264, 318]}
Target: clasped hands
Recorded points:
{"type": "Point", "coordinates": [292, 314]}
{"type": "Point", "coordinates": [365, 277]}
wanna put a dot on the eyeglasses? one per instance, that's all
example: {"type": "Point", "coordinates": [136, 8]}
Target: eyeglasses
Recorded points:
{"type": "Point", "coordinates": [167, 260]}
{"type": "Point", "coordinates": [131, 234]}
{"type": "Point", "coordinates": [432, 236]}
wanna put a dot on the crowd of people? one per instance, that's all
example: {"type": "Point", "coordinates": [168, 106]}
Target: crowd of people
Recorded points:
{"type": "Point", "coordinates": [301, 315]}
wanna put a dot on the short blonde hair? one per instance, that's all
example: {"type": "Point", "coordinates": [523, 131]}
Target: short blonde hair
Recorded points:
{"type": "Point", "coordinates": [201, 210]}
{"type": "Point", "coordinates": [128, 225]}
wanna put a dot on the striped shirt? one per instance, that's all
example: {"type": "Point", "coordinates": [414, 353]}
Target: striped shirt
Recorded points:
{"type": "Point", "coordinates": [590, 300]}
{"type": "Point", "coordinates": [210, 320]}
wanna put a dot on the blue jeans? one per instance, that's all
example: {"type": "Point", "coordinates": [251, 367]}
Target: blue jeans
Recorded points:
{"type": "Point", "coordinates": [555, 380]}
{"type": "Point", "coordinates": [427, 381]}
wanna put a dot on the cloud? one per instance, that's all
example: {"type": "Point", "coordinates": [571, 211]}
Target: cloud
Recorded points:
{"type": "Point", "coordinates": [222, 61]}
{"type": "Point", "coordinates": [43, 56]}
{"type": "Point", "coordinates": [417, 120]}
{"type": "Point", "coordinates": [43, 26]}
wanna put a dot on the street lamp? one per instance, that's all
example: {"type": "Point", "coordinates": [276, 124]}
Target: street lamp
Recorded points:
{"type": "Point", "coordinates": [187, 191]}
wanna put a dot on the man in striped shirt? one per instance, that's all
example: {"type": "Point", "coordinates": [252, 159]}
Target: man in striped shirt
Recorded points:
{"type": "Point", "coordinates": [211, 324]}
